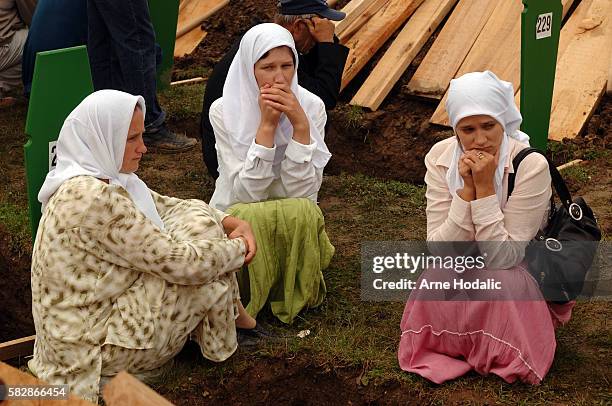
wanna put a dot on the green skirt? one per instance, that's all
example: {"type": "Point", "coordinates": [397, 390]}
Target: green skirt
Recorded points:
{"type": "Point", "coordinates": [292, 251]}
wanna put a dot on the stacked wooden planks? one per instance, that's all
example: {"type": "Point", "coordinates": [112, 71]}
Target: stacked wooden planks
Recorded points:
{"type": "Point", "coordinates": [497, 48]}
{"type": "Point", "coordinates": [583, 65]}
{"type": "Point", "coordinates": [398, 57]}
{"type": "Point", "coordinates": [450, 48]}
{"type": "Point", "coordinates": [192, 13]}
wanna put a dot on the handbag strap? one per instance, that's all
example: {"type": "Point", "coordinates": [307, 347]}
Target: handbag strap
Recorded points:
{"type": "Point", "coordinates": [557, 179]}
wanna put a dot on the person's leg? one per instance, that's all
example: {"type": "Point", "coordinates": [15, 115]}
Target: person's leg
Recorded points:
{"type": "Point", "coordinates": [10, 62]}
{"type": "Point", "coordinates": [133, 44]}
{"type": "Point", "coordinates": [99, 48]}
{"type": "Point", "coordinates": [134, 53]}
{"type": "Point", "coordinates": [209, 152]}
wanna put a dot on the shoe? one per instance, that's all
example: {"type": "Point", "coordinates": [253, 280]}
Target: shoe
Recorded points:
{"type": "Point", "coordinates": [252, 336]}
{"type": "Point", "coordinates": [165, 141]}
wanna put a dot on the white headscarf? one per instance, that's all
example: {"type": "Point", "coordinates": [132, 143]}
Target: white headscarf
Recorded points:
{"type": "Point", "coordinates": [92, 142]}
{"type": "Point", "coordinates": [241, 113]}
{"type": "Point", "coordinates": [482, 93]}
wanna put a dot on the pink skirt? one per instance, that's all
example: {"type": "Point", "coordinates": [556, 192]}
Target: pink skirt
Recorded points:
{"type": "Point", "coordinates": [514, 339]}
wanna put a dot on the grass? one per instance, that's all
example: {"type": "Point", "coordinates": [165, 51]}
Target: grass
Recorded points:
{"type": "Point", "coordinates": [183, 101]}
{"type": "Point", "coordinates": [15, 219]}
{"type": "Point", "coordinates": [577, 173]}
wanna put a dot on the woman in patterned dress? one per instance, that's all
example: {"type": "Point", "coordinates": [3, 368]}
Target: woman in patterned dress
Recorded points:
{"type": "Point", "coordinates": [123, 276]}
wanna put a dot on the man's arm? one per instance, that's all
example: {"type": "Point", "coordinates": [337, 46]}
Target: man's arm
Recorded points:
{"type": "Point", "coordinates": [320, 71]}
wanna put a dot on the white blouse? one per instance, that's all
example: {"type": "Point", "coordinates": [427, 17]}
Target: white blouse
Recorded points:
{"type": "Point", "coordinates": [257, 178]}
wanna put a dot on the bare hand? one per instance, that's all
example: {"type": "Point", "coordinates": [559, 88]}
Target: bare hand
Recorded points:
{"type": "Point", "coordinates": [321, 29]}
{"type": "Point", "coordinates": [280, 98]}
{"type": "Point", "coordinates": [482, 166]}
{"type": "Point", "coordinates": [468, 193]}
{"type": "Point", "coordinates": [237, 228]}
{"type": "Point", "coordinates": [269, 115]}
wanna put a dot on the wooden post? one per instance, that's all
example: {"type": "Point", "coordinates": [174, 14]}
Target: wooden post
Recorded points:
{"type": "Point", "coordinates": [17, 348]}
{"type": "Point", "coordinates": [124, 389]}
{"type": "Point", "coordinates": [10, 376]}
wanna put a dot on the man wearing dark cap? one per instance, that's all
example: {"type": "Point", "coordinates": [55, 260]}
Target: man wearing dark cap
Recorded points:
{"type": "Point", "coordinates": [320, 67]}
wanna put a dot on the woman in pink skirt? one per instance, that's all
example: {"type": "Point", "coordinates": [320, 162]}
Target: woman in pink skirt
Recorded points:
{"type": "Point", "coordinates": [467, 175]}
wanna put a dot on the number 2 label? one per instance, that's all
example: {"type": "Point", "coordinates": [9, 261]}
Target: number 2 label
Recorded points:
{"type": "Point", "coordinates": [544, 26]}
{"type": "Point", "coordinates": [52, 155]}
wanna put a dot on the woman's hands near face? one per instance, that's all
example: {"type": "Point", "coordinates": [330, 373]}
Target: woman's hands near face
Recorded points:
{"type": "Point", "coordinates": [468, 193]}
{"type": "Point", "coordinates": [281, 98]}
{"type": "Point", "coordinates": [269, 115]}
{"type": "Point", "coordinates": [482, 166]}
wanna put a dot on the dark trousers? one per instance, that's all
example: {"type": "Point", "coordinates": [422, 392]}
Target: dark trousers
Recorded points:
{"type": "Point", "coordinates": [122, 52]}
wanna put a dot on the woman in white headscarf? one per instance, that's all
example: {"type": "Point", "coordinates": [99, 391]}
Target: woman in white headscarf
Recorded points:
{"type": "Point", "coordinates": [122, 276]}
{"type": "Point", "coordinates": [269, 137]}
{"type": "Point", "coordinates": [505, 328]}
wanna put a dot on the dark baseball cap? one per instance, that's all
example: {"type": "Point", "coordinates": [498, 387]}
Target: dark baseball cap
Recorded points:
{"type": "Point", "coordinates": [319, 7]}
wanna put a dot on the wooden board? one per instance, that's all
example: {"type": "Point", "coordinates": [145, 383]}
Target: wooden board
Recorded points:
{"type": "Point", "coordinates": [398, 57]}
{"type": "Point", "coordinates": [345, 31]}
{"type": "Point", "coordinates": [187, 43]}
{"type": "Point", "coordinates": [450, 48]}
{"type": "Point", "coordinates": [124, 389]}
{"type": "Point", "coordinates": [353, 10]}
{"type": "Point", "coordinates": [364, 44]}
{"type": "Point", "coordinates": [582, 70]}
{"type": "Point", "coordinates": [12, 377]}
{"type": "Point", "coordinates": [497, 48]}
{"type": "Point", "coordinates": [17, 348]}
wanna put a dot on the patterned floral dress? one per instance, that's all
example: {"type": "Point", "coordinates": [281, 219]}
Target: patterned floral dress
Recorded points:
{"type": "Point", "coordinates": [111, 291]}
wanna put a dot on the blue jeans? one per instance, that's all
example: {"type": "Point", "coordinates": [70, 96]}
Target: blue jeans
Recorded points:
{"type": "Point", "coordinates": [122, 51]}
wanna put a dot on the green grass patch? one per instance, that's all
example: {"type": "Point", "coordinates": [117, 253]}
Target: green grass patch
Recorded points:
{"type": "Point", "coordinates": [577, 173]}
{"type": "Point", "coordinates": [16, 221]}
{"type": "Point", "coordinates": [183, 101]}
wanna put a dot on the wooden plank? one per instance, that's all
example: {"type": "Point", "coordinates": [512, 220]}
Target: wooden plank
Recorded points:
{"type": "Point", "coordinates": [17, 348]}
{"type": "Point", "coordinates": [187, 43]}
{"type": "Point", "coordinates": [345, 31]}
{"type": "Point", "coordinates": [12, 377]}
{"type": "Point", "coordinates": [398, 57]}
{"type": "Point", "coordinates": [372, 36]}
{"type": "Point", "coordinates": [450, 48]}
{"type": "Point", "coordinates": [353, 10]}
{"type": "Point", "coordinates": [497, 49]}
{"type": "Point", "coordinates": [124, 389]}
{"type": "Point", "coordinates": [569, 164]}
{"type": "Point", "coordinates": [195, 12]}
{"type": "Point", "coordinates": [582, 71]}
{"type": "Point", "coordinates": [188, 81]}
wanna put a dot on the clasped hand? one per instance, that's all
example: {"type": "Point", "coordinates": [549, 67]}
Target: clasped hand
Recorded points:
{"type": "Point", "coordinates": [237, 228]}
{"type": "Point", "coordinates": [477, 169]}
{"type": "Point", "coordinates": [275, 100]}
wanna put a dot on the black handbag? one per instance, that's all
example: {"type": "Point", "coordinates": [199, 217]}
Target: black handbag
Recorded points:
{"type": "Point", "coordinates": [560, 256]}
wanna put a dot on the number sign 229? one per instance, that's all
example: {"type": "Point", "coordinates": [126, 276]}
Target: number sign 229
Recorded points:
{"type": "Point", "coordinates": [544, 26]}
{"type": "Point", "coordinates": [52, 155]}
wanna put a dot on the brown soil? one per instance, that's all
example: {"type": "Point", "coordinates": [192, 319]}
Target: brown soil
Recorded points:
{"type": "Point", "coordinates": [15, 295]}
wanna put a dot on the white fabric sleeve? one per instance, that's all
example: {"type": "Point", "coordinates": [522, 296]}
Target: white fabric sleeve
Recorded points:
{"type": "Point", "coordinates": [448, 218]}
{"type": "Point", "coordinates": [504, 235]}
{"type": "Point", "coordinates": [249, 178]}
{"type": "Point", "coordinates": [299, 176]}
